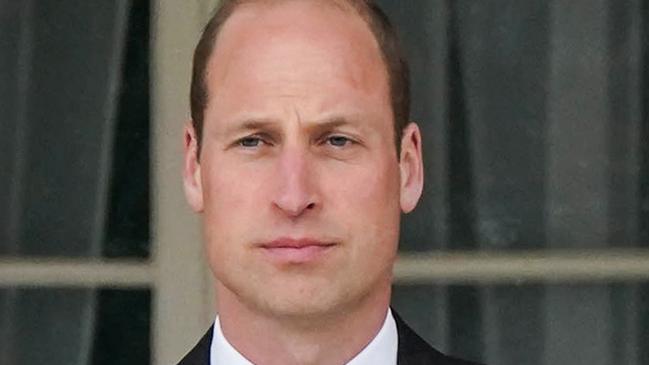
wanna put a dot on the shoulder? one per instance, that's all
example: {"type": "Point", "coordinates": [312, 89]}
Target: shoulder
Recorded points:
{"type": "Point", "coordinates": [200, 354]}
{"type": "Point", "coordinates": [413, 350]}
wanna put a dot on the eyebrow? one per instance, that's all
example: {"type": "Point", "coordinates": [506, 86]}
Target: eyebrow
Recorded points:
{"type": "Point", "coordinates": [272, 125]}
{"type": "Point", "coordinates": [250, 125]}
{"type": "Point", "coordinates": [332, 123]}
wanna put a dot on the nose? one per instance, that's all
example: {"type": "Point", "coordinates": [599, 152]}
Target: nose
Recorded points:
{"type": "Point", "coordinates": [296, 186]}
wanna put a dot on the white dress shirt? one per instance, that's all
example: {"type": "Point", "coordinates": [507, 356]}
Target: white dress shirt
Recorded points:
{"type": "Point", "coordinates": [382, 350]}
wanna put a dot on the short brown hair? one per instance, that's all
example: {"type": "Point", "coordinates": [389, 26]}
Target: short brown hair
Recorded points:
{"type": "Point", "coordinates": [383, 31]}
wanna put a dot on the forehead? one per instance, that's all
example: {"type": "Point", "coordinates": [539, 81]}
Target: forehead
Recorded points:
{"type": "Point", "coordinates": [320, 20]}
{"type": "Point", "coordinates": [295, 48]}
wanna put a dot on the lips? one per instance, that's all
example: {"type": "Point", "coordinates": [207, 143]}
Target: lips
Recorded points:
{"type": "Point", "coordinates": [287, 250]}
{"type": "Point", "coordinates": [295, 243]}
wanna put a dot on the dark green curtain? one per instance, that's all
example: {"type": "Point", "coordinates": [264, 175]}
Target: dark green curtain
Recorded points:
{"type": "Point", "coordinates": [535, 123]}
{"type": "Point", "coordinates": [73, 85]}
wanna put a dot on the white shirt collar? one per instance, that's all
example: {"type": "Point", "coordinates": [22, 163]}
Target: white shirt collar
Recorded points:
{"type": "Point", "coordinates": [382, 350]}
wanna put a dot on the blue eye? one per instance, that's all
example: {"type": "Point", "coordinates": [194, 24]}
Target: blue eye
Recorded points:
{"type": "Point", "coordinates": [338, 141]}
{"type": "Point", "coordinates": [250, 142]}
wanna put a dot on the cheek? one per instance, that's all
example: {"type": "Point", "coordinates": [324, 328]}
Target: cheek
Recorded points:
{"type": "Point", "coordinates": [232, 196]}
{"type": "Point", "coordinates": [370, 207]}
{"type": "Point", "coordinates": [375, 184]}
{"type": "Point", "coordinates": [226, 185]}
{"type": "Point", "coordinates": [368, 198]}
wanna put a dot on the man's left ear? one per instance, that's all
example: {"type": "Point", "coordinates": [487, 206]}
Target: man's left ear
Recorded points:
{"type": "Point", "coordinates": [412, 168]}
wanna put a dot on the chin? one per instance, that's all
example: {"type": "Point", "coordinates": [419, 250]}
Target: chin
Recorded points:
{"type": "Point", "coordinates": [300, 301]}
{"type": "Point", "coordinates": [302, 295]}
{"type": "Point", "coordinates": [304, 312]}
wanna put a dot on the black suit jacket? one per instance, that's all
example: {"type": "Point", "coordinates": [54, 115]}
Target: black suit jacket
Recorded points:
{"type": "Point", "coordinates": [413, 350]}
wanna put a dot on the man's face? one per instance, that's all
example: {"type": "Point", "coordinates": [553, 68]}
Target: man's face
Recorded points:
{"type": "Point", "coordinates": [299, 182]}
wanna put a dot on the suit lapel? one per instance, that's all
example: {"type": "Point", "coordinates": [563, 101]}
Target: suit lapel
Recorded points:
{"type": "Point", "coordinates": [413, 350]}
{"type": "Point", "coordinates": [200, 354]}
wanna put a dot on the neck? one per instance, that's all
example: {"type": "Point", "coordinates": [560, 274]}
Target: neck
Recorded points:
{"type": "Point", "coordinates": [267, 340]}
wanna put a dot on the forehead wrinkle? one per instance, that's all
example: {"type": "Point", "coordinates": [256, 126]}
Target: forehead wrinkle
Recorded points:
{"type": "Point", "coordinates": [298, 118]}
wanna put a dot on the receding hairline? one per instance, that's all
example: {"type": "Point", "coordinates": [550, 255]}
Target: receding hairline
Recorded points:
{"type": "Point", "coordinates": [227, 30]}
{"type": "Point", "coordinates": [357, 5]}
{"type": "Point", "coordinates": [345, 6]}
{"type": "Point", "coordinates": [383, 35]}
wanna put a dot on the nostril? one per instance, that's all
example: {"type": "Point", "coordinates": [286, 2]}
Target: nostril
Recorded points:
{"type": "Point", "coordinates": [310, 206]}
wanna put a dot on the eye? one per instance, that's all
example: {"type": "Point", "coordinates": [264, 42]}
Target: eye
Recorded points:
{"type": "Point", "coordinates": [250, 142]}
{"type": "Point", "coordinates": [338, 141]}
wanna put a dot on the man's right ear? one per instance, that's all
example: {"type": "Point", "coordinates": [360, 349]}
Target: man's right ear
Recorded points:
{"type": "Point", "coordinates": [192, 170]}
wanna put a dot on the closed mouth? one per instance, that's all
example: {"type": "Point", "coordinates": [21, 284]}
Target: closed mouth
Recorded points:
{"type": "Point", "coordinates": [296, 251]}
{"type": "Point", "coordinates": [293, 243]}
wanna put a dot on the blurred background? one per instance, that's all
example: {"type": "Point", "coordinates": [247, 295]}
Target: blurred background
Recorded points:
{"type": "Point", "coordinates": [530, 246]}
